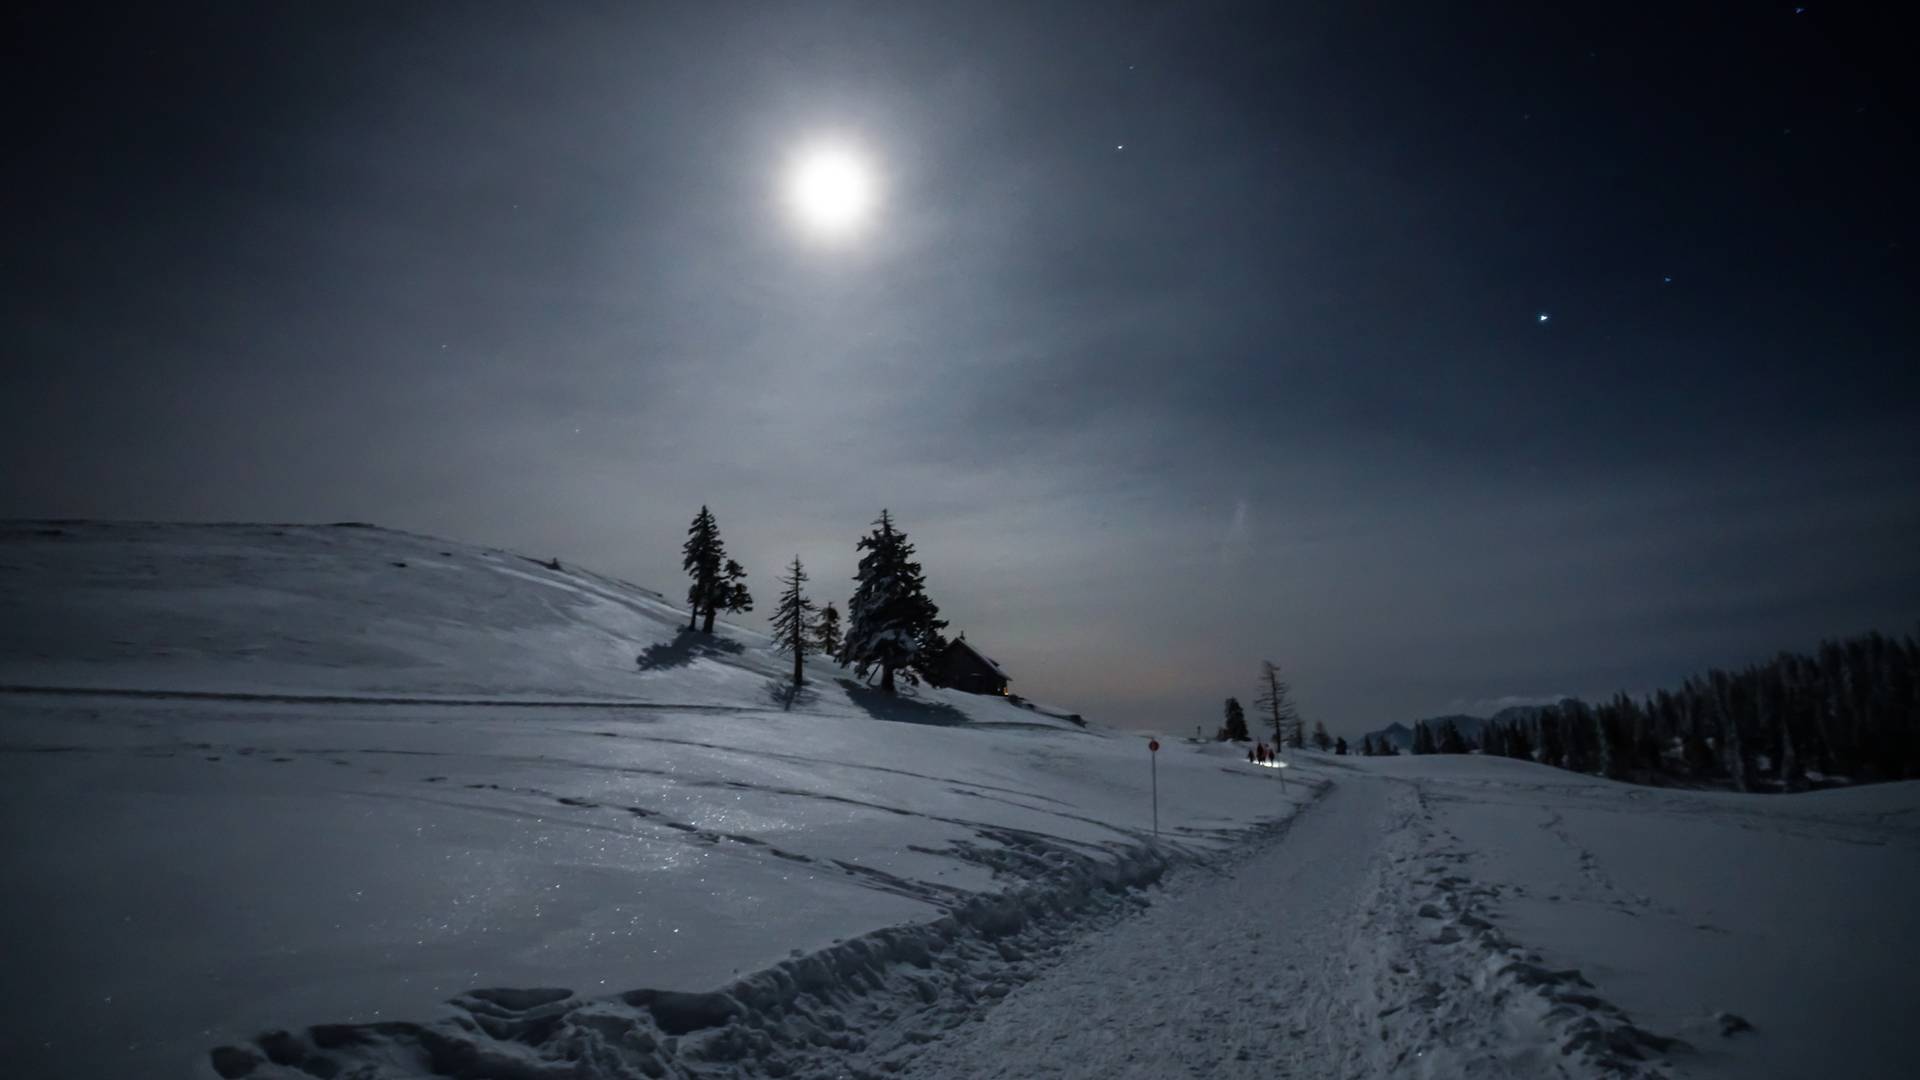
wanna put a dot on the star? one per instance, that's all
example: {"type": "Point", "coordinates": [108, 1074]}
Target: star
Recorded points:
{"type": "Point", "coordinates": [1122, 146]}
{"type": "Point", "coordinates": [1542, 317]}
{"type": "Point", "coordinates": [1666, 279]}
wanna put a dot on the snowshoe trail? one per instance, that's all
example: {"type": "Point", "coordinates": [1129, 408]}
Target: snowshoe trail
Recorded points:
{"type": "Point", "coordinates": [1354, 945]}
{"type": "Point", "coordinates": [1246, 974]}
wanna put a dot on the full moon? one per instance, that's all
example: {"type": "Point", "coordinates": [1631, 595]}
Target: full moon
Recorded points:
{"type": "Point", "coordinates": [831, 190]}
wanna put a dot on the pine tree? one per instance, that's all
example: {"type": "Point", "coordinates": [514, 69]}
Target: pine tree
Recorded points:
{"type": "Point", "coordinates": [1340, 746]}
{"type": "Point", "coordinates": [1582, 736]}
{"type": "Point", "coordinates": [716, 578]}
{"type": "Point", "coordinates": [826, 632]}
{"type": "Point", "coordinates": [1516, 743]}
{"type": "Point", "coordinates": [1276, 703]}
{"type": "Point", "coordinates": [731, 595]}
{"type": "Point", "coordinates": [702, 554]}
{"type": "Point", "coordinates": [1422, 738]}
{"type": "Point", "coordinates": [1496, 740]}
{"type": "Point", "coordinates": [792, 619]}
{"type": "Point", "coordinates": [1321, 739]}
{"type": "Point", "coordinates": [1553, 736]}
{"type": "Point", "coordinates": [1648, 753]}
{"type": "Point", "coordinates": [1697, 754]}
{"type": "Point", "coordinates": [1366, 746]}
{"type": "Point", "coordinates": [1614, 722]}
{"type": "Point", "coordinates": [1236, 725]}
{"type": "Point", "coordinates": [891, 623]}
{"type": "Point", "coordinates": [1451, 741]}
{"type": "Point", "coordinates": [1733, 707]}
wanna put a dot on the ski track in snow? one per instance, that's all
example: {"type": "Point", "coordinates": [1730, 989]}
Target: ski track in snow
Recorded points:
{"type": "Point", "coordinates": [861, 1008]}
{"type": "Point", "coordinates": [1340, 943]}
{"type": "Point", "coordinates": [1350, 948]}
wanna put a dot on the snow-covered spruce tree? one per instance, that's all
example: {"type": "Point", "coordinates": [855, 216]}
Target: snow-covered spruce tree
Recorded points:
{"type": "Point", "coordinates": [702, 554]}
{"type": "Point", "coordinates": [1276, 707]}
{"type": "Point", "coordinates": [826, 632]}
{"type": "Point", "coordinates": [891, 623]}
{"type": "Point", "coordinates": [716, 579]}
{"type": "Point", "coordinates": [1235, 728]}
{"type": "Point", "coordinates": [792, 620]}
{"type": "Point", "coordinates": [1320, 737]}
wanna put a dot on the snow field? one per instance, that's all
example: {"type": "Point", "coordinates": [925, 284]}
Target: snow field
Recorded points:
{"type": "Point", "coordinates": [1452, 995]}
{"type": "Point", "coordinates": [1539, 922]}
{"type": "Point", "coordinates": [284, 801]}
{"type": "Point", "coordinates": [198, 873]}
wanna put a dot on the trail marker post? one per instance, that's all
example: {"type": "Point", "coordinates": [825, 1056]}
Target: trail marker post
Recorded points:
{"type": "Point", "coordinates": [1153, 756]}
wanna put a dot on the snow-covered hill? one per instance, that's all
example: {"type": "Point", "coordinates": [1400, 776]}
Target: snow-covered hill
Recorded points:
{"type": "Point", "coordinates": [353, 610]}
{"type": "Point", "coordinates": [274, 776]}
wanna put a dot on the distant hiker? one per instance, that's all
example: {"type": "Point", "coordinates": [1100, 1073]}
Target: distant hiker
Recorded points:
{"type": "Point", "coordinates": [1250, 756]}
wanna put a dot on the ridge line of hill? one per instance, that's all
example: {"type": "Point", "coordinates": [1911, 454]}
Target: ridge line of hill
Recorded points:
{"type": "Point", "coordinates": [357, 699]}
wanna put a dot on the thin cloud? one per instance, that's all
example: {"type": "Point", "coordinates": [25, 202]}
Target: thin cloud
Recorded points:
{"type": "Point", "coordinates": [1237, 545]}
{"type": "Point", "coordinates": [1488, 706]}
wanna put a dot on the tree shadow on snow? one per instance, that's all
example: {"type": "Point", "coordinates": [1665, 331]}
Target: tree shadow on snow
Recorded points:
{"type": "Point", "coordinates": [783, 693]}
{"type": "Point", "coordinates": [686, 647]}
{"type": "Point", "coordinates": [897, 709]}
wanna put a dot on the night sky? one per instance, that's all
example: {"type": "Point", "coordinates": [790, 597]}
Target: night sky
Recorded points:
{"type": "Point", "coordinates": [1447, 354]}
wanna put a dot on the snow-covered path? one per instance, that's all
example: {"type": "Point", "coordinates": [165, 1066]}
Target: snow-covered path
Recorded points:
{"type": "Point", "coordinates": [1243, 974]}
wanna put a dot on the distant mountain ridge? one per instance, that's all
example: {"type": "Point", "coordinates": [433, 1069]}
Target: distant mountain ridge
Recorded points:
{"type": "Point", "coordinates": [1400, 736]}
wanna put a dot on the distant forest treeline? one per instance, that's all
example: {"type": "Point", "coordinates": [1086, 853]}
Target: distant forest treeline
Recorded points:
{"type": "Point", "coordinates": [1848, 714]}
